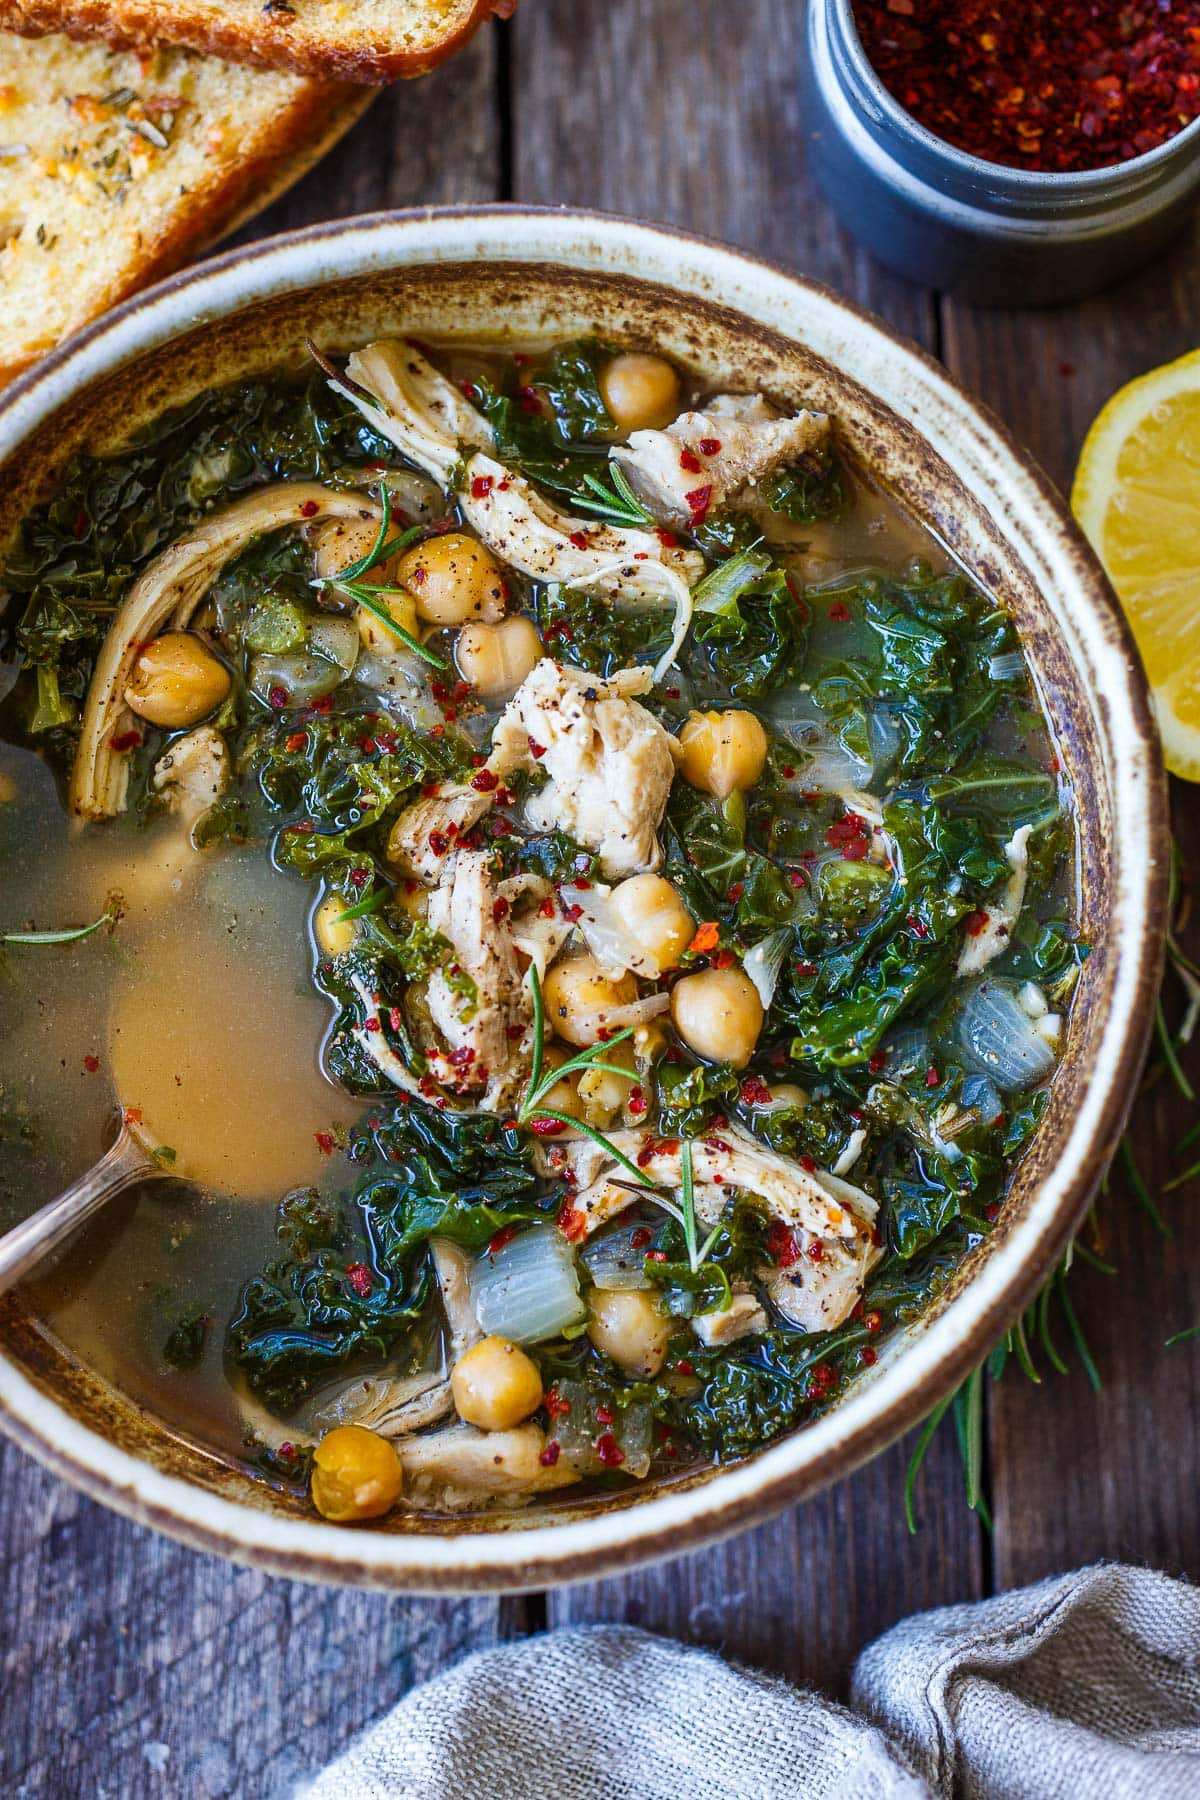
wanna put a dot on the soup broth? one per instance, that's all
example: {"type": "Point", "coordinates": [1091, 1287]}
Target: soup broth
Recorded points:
{"type": "Point", "coordinates": [338, 969]}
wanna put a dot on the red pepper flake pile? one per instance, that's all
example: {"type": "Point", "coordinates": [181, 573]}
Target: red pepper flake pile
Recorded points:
{"type": "Point", "coordinates": [91, 1064]}
{"type": "Point", "coordinates": [1060, 85]}
{"type": "Point", "coordinates": [359, 1277]}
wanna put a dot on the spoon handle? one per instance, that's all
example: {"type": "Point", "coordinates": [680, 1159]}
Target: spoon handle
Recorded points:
{"type": "Point", "coordinates": [29, 1243]}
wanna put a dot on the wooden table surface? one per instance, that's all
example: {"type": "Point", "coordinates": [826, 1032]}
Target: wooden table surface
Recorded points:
{"type": "Point", "coordinates": [133, 1667]}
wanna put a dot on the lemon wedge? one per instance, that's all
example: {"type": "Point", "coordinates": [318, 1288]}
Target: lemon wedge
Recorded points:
{"type": "Point", "coordinates": [1137, 496]}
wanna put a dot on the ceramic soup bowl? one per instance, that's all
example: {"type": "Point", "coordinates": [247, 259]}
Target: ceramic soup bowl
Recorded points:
{"type": "Point", "coordinates": [515, 275]}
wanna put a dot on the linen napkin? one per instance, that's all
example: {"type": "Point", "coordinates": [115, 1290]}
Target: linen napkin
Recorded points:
{"type": "Point", "coordinates": [1084, 1687]}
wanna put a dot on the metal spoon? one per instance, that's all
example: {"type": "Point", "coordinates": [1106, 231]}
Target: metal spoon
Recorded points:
{"type": "Point", "coordinates": [31, 1242]}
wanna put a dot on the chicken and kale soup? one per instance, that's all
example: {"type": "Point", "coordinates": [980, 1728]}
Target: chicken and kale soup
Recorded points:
{"type": "Point", "coordinates": [579, 883]}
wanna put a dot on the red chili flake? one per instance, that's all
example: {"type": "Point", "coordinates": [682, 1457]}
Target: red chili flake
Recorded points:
{"type": "Point", "coordinates": [80, 524]}
{"type": "Point", "coordinates": [324, 1140]}
{"type": "Point", "coordinates": [482, 486]}
{"type": "Point", "coordinates": [873, 1320]}
{"type": "Point", "coordinates": [807, 1164]}
{"type": "Point", "coordinates": [690, 461]}
{"type": "Point", "coordinates": [537, 751]}
{"type": "Point", "coordinates": [706, 938]}
{"type": "Point", "coordinates": [839, 612]}
{"type": "Point", "coordinates": [278, 698]}
{"type": "Point", "coordinates": [287, 1451]}
{"type": "Point", "coordinates": [547, 909]}
{"type": "Point", "coordinates": [439, 843]}
{"type": "Point", "coordinates": [656, 1256]}
{"type": "Point", "coordinates": [549, 1456]}
{"type": "Point", "coordinates": [500, 909]}
{"type": "Point", "coordinates": [787, 773]}
{"type": "Point", "coordinates": [547, 1127]}
{"type": "Point", "coordinates": [684, 1367]}
{"type": "Point", "coordinates": [974, 923]}
{"type": "Point", "coordinates": [485, 782]}
{"type": "Point", "coordinates": [918, 927]}
{"type": "Point", "coordinates": [868, 1356]}
{"type": "Point", "coordinates": [468, 389]}
{"type": "Point", "coordinates": [360, 1279]}
{"type": "Point", "coordinates": [571, 911]}
{"type": "Point", "coordinates": [395, 1020]}
{"type": "Point", "coordinates": [640, 1238]}
{"type": "Point", "coordinates": [324, 705]}
{"type": "Point", "coordinates": [699, 501]}
{"type": "Point", "coordinates": [735, 893]}
{"type": "Point", "coordinates": [797, 878]}
{"type": "Point", "coordinates": [609, 1451]}
{"type": "Point", "coordinates": [670, 693]}
{"type": "Point", "coordinates": [805, 969]}
{"type": "Point", "coordinates": [992, 1212]}
{"type": "Point", "coordinates": [124, 740]}
{"type": "Point", "coordinates": [529, 400]}
{"type": "Point", "coordinates": [91, 1064]}
{"type": "Point", "coordinates": [359, 877]}
{"type": "Point", "coordinates": [132, 1115]}
{"type": "Point", "coordinates": [932, 1078]}
{"type": "Point", "coordinates": [579, 539]}
{"type": "Point", "coordinates": [857, 850]}
{"type": "Point", "coordinates": [555, 1405]}
{"type": "Point", "coordinates": [754, 1092]}
{"type": "Point", "coordinates": [667, 539]}
{"type": "Point", "coordinates": [709, 446]}
{"type": "Point", "coordinates": [844, 831]}
{"type": "Point", "coordinates": [636, 1102]}
{"type": "Point", "coordinates": [604, 1415]}
{"type": "Point", "coordinates": [782, 1246]}
{"type": "Point", "coordinates": [309, 509]}
{"type": "Point", "coordinates": [1066, 87]}
{"type": "Point", "coordinates": [297, 741]}
{"type": "Point", "coordinates": [878, 1061]}
{"type": "Point", "coordinates": [505, 1235]}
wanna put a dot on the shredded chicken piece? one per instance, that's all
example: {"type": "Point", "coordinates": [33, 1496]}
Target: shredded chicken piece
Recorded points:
{"type": "Point", "coordinates": [168, 591]}
{"type": "Point", "coordinates": [425, 415]}
{"type": "Point", "coordinates": [817, 1207]}
{"type": "Point", "coordinates": [458, 1465]}
{"type": "Point", "coordinates": [400, 392]}
{"type": "Point", "coordinates": [192, 774]}
{"type": "Point", "coordinates": [742, 1318]}
{"type": "Point", "coordinates": [609, 760]}
{"type": "Point", "coordinates": [716, 457]}
{"type": "Point", "coordinates": [390, 1405]}
{"type": "Point", "coordinates": [426, 834]}
{"type": "Point", "coordinates": [529, 534]}
{"type": "Point", "coordinates": [487, 1032]}
{"type": "Point", "coordinates": [978, 951]}
{"type": "Point", "coordinates": [370, 1039]}
{"type": "Point", "coordinates": [452, 1266]}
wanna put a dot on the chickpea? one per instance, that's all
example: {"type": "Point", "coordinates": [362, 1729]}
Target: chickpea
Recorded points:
{"type": "Point", "coordinates": [628, 1326]}
{"type": "Point", "coordinates": [650, 909]}
{"type": "Point", "coordinates": [339, 542]}
{"type": "Point", "coordinates": [641, 392]}
{"type": "Point", "coordinates": [723, 751]}
{"type": "Point", "coordinates": [495, 1385]}
{"type": "Point", "coordinates": [176, 681]}
{"type": "Point", "coordinates": [604, 1094]}
{"type": "Point", "coordinates": [564, 1096]}
{"type": "Point", "coordinates": [374, 635]}
{"type": "Point", "coordinates": [333, 933]}
{"type": "Point", "coordinates": [497, 658]}
{"type": "Point", "coordinates": [356, 1475]}
{"type": "Point", "coordinates": [718, 1014]}
{"type": "Point", "coordinates": [453, 578]}
{"type": "Point", "coordinates": [579, 996]}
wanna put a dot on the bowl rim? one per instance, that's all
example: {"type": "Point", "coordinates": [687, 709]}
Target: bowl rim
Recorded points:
{"type": "Point", "coordinates": [938, 1358]}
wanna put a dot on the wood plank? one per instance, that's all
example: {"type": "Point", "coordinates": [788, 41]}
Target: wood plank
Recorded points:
{"type": "Point", "coordinates": [1075, 1475]}
{"type": "Point", "coordinates": [685, 111]}
{"type": "Point", "coordinates": [688, 113]}
{"type": "Point", "coordinates": [132, 1666]}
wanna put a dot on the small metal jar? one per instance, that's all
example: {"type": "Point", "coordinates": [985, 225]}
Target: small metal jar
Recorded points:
{"type": "Point", "coordinates": [956, 222]}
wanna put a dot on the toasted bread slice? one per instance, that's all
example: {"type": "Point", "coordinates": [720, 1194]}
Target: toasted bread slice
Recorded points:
{"type": "Point", "coordinates": [343, 40]}
{"type": "Point", "coordinates": [117, 167]}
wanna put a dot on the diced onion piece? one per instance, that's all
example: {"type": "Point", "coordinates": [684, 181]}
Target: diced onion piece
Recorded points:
{"type": "Point", "coordinates": [982, 1096]}
{"type": "Point", "coordinates": [1007, 667]}
{"type": "Point", "coordinates": [764, 963]}
{"type": "Point", "coordinates": [1001, 1040]}
{"type": "Point", "coordinates": [280, 681]}
{"type": "Point", "coordinates": [606, 937]}
{"type": "Point", "coordinates": [528, 1290]}
{"type": "Point", "coordinates": [1032, 1000]}
{"type": "Point", "coordinates": [337, 639]}
{"type": "Point", "coordinates": [615, 1262]}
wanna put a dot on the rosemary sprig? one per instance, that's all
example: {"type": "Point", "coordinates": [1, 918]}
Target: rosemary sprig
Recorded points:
{"type": "Point", "coordinates": [72, 935]}
{"type": "Point", "coordinates": [371, 596]}
{"type": "Point", "coordinates": [616, 504]}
